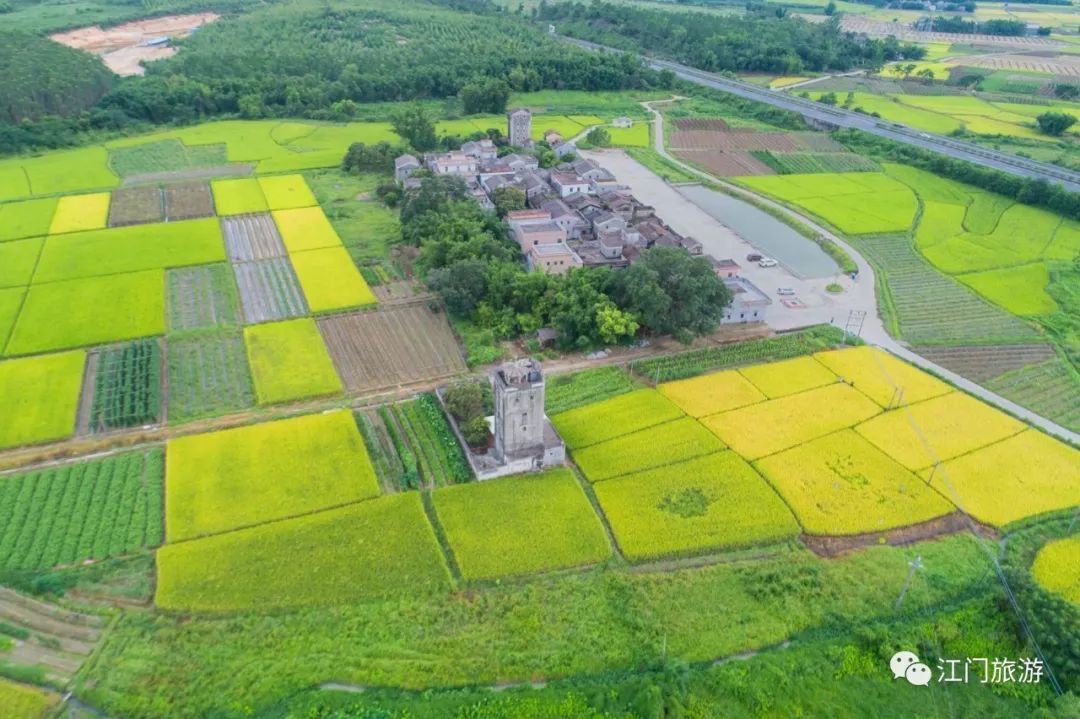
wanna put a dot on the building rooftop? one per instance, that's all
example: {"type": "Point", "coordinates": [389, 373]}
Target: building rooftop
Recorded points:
{"type": "Point", "coordinates": [540, 227]}
{"type": "Point", "coordinates": [552, 250]}
{"type": "Point", "coordinates": [527, 215]}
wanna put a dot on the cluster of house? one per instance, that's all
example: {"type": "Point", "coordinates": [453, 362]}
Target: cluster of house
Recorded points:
{"type": "Point", "coordinates": [578, 214]}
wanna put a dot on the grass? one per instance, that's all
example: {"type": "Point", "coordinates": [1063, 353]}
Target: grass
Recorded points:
{"type": "Point", "coordinates": [1057, 568]}
{"type": "Point", "coordinates": [130, 249]}
{"type": "Point", "coordinates": [779, 379]}
{"type": "Point", "coordinates": [21, 701]}
{"type": "Point", "coordinates": [305, 229]}
{"type": "Point", "coordinates": [76, 213]}
{"type": "Point", "coordinates": [95, 509]}
{"type": "Point", "coordinates": [234, 478]}
{"type": "Point", "coordinates": [568, 391]}
{"type": "Point", "coordinates": [76, 313]}
{"type": "Point", "coordinates": [637, 135]}
{"type": "Point", "coordinates": [1025, 475]}
{"type": "Point", "coordinates": [769, 427]}
{"type": "Point", "coordinates": [840, 484]}
{"type": "Point", "coordinates": [881, 377]}
{"type": "Point", "coordinates": [383, 547]}
{"type": "Point", "coordinates": [366, 227]}
{"type": "Point", "coordinates": [17, 261]}
{"type": "Point", "coordinates": [285, 192]}
{"type": "Point", "coordinates": [39, 397]}
{"type": "Point", "coordinates": [208, 376]}
{"type": "Point", "coordinates": [520, 525]}
{"type": "Point", "coordinates": [709, 503]}
{"type": "Point", "coordinates": [29, 218]}
{"type": "Point", "coordinates": [238, 196]}
{"type": "Point", "coordinates": [289, 361]}
{"type": "Point", "coordinates": [330, 280]}
{"type": "Point", "coordinates": [711, 393]}
{"type": "Point", "coordinates": [1020, 290]}
{"type": "Point", "coordinates": [937, 429]}
{"type": "Point", "coordinates": [652, 447]}
{"type": "Point", "coordinates": [69, 171]}
{"type": "Point", "coordinates": [660, 165]}
{"type": "Point", "coordinates": [614, 417]}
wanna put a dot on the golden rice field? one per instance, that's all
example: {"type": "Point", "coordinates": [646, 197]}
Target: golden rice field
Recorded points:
{"type": "Point", "coordinates": [700, 396]}
{"type": "Point", "coordinates": [1057, 567]}
{"type": "Point", "coordinates": [881, 377]}
{"type": "Point", "coordinates": [779, 379]}
{"type": "Point", "coordinates": [75, 213]}
{"type": "Point", "coordinates": [614, 417]}
{"type": "Point", "coordinates": [305, 228]}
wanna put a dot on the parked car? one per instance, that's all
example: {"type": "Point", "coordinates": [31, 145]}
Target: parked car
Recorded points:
{"type": "Point", "coordinates": [785, 291]}
{"type": "Point", "coordinates": [753, 257]}
{"type": "Point", "coordinates": [767, 262]}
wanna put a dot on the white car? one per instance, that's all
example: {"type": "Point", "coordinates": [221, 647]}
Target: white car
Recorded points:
{"type": "Point", "coordinates": [767, 262]}
{"type": "Point", "coordinates": [785, 291]}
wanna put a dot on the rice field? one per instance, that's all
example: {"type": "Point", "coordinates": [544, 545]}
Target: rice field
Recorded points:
{"type": "Point", "coordinates": [289, 361]}
{"type": "Point", "coordinates": [779, 379]}
{"type": "Point", "coordinates": [305, 228]}
{"type": "Point", "coordinates": [711, 393]}
{"type": "Point", "coordinates": [330, 280]}
{"type": "Point", "coordinates": [238, 197]}
{"type": "Point", "coordinates": [17, 261]}
{"type": "Point", "coordinates": [234, 478]}
{"type": "Point", "coordinates": [28, 218]}
{"type": "Point", "coordinates": [75, 213]}
{"type": "Point", "coordinates": [661, 444]}
{"type": "Point", "coordinates": [614, 417]}
{"type": "Point", "coordinates": [1057, 568]}
{"type": "Point", "coordinates": [888, 381]}
{"type": "Point", "coordinates": [285, 192]}
{"type": "Point", "coordinates": [43, 393]}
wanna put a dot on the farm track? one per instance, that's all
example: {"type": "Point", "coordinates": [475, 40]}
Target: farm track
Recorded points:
{"type": "Point", "coordinates": [269, 290]}
{"type": "Point", "coordinates": [252, 237]}
{"type": "Point", "coordinates": [86, 396]}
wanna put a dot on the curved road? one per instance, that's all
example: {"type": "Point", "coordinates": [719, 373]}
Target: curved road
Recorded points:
{"type": "Point", "coordinates": [839, 117]}
{"type": "Point", "coordinates": [873, 329]}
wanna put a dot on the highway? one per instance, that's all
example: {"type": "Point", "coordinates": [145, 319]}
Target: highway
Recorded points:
{"type": "Point", "coordinates": [840, 117]}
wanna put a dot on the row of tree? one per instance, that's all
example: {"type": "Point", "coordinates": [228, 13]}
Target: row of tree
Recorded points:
{"type": "Point", "coordinates": [465, 254]}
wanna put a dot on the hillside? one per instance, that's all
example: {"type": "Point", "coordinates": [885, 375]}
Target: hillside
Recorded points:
{"type": "Point", "coordinates": [43, 78]}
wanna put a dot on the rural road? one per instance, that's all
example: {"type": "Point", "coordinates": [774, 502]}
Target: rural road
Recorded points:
{"type": "Point", "coordinates": [838, 117]}
{"type": "Point", "coordinates": [860, 297]}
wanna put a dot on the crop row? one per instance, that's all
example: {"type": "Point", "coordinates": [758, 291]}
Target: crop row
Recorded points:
{"type": "Point", "coordinates": [410, 476]}
{"type": "Point", "coordinates": [568, 391]}
{"type": "Point", "coordinates": [793, 163]}
{"type": "Point", "coordinates": [90, 510]}
{"type": "Point", "coordinates": [381, 449]}
{"type": "Point", "coordinates": [127, 388]}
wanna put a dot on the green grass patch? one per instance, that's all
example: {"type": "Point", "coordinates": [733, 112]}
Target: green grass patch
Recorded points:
{"type": "Point", "coordinates": [29, 218]}
{"type": "Point", "coordinates": [614, 417]}
{"type": "Point", "coordinates": [568, 391]}
{"type": "Point", "coordinates": [94, 509]}
{"type": "Point", "coordinates": [284, 192]}
{"type": "Point", "coordinates": [637, 135]}
{"type": "Point", "coordinates": [520, 525]}
{"type": "Point", "coordinates": [238, 196]}
{"type": "Point", "coordinates": [708, 503]}
{"type": "Point", "coordinates": [289, 361]}
{"type": "Point", "coordinates": [660, 165]}
{"type": "Point", "coordinates": [39, 397]}
{"type": "Point", "coordinates": [330, 280]}
{"type": "Point", "coordinates": [220, 481]}
{"type": "Point", "coordinates": [89, 311]}
{"type": "Point", "coordinates": [17, 261]}
{"type": "Point", "coordinates": [383, 547]}
{"type": "Point", "coordinates": [655, 446]}
{"type": "Point", "coordinates": [69, 171]}
{"type": "Point", "coordinates": [130, 249]}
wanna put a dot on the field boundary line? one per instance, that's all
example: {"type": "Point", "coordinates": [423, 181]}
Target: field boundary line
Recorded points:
{"type": "Point", "coordinates": [426, 501]}
{"type": "Point", "coordinates": [594, 502]}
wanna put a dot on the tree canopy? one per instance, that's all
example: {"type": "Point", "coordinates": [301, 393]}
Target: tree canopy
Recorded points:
{"type": "Point", "coordinates": [42, 77]}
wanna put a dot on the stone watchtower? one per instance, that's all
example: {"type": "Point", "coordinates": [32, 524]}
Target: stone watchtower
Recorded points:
{"type": "Point", "coordinates": [519, 127]}
{"type": "Point", "coordinates": [519, 409]}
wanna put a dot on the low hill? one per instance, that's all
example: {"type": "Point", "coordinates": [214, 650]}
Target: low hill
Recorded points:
{"type": "Point", "coordinates": [42, 78]}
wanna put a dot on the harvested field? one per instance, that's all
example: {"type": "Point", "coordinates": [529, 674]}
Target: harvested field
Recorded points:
{"type": "Point", "coordinates": [135, 206]}
{"type": "Point", "coordinates": [269, 290]}
{"type": "Point", "coordinates": [901, 31]}
{"type": "Point", "coordinates": [393, 346]}
{"type": "Point", "coordinates": [251, 237]}
{"type": "Point", "coordinates": [188, 201]}
{"type": "Point", "coordinates": [747, 140]}
{"type": "Point", "coordinates": [982, 362]}
{"type": "Point", "coordinates": [1064, 66]}
{"type": "Point", "coordinates": [726, 164]}
{"type": "Point", "coordinates": [202, 296]}
{"type": "Point", "coordinates": [699, 124]}
{"type": "Point", "coordinates": [208, 376]}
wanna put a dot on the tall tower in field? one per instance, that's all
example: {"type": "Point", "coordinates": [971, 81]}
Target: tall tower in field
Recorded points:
{"type": "Point", "coordinates": [519, 408]}
{"type": "Point", "coordinates": [519, 127]}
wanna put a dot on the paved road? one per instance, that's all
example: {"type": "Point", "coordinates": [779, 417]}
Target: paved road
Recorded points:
{"type": "Point", "coordinates": [839, 117]}
{"type": "Point", "coordinates": [861, 296]}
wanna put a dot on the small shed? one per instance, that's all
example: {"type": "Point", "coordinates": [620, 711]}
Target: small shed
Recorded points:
{"type": "Point", "coordinates": [546, 336]}
{"type": "Point", "coordinates": [622, 122]}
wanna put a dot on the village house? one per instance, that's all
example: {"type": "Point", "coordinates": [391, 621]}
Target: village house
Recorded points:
{"type": "Point", "coordinates": [726, 269]}
{"type": "Point", "coordinates": [748, 303]}
{"type": "Point", "coordinates": [552, 136]}
{"type": "Point", "coordinates": [568, 183]}
{"type": "Point", "coordinates": [482, 150]}
{"type": "Point", "coordinates": [404, 166]}
{"type": "Point", "coordinates": [570, 220]}
{"type": "Point", "coordinates": [563, 149]}
{"type": "Point", "coordinates": [453, 163]}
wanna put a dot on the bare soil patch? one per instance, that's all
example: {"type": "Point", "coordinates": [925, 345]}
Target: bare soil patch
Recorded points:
{"type": "Point", "coordinates": [123, 48]}
{"type": "Point", "coordinates": [135, 206]}
{"type": "Point", "coordinates": [188, 201]}
{"type": "Point", "coordinates": [269, 290]}
{"type": "Point", "coordinates": [725, 164]}
{"type": "Point", "coordinates": [949, 524]}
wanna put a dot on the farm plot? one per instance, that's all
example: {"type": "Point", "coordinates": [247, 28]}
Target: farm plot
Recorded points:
{"type": "Point", "coordinates": [1020, 289]}
{"type": "Point", "coordinates": [164, 156]}
{"type": "Point", "coordinates": [520, 525]}
{"type": "Point", "coordinates": [306, 229]}
{"type": "Point", "coordinates": [840, 484]}
{"type": "Point", "coordinates": [208, 376]}
{"type": "Point", "coordinates": [54, 642]}
{"type": "Point", "coordinates": [381, 448]}
{"type": "Point", "coordinates": [778, 424]}
{"type": "Point", "coordinates": [330, 280]}
{"type": "Point", "coordinates": [655, 446]}
{"type": "Point", "coordinates": [17, 261]}
{"type": "Point", "coordinates": [90, 311]}
{"type": "Point", "coordinates": [76, 213]}
{"type": "Point", "coordinates": [289, 361]}
{"type": "Point", "coordinates": [725, 164]}
{"type": "Point", "coordinates": [286, 192]}
{"type": "Point", "coordinates": [925, 302]}
{"type": "Point", "coordinates": [423, 426]}
{"type": "Point", "coordinates": [614, 417]}
{"type": "Point", "coordinates": [188, 201]}
{"type": "Point", "coordinates": [126, 386]}
{"type": "Point", "coordinates": [379, 548]}
{"type": "Point", "coordinates": [42, 394]}
{"type": "Point", "coordinates": [939, 429]}
{"type": "Point", "coordinates": [392, 346]}
{"type": "Point", "coordinates": [240, 477]}
{"type": "Point", "coordinates": [202, 296]}
{"type": "Point", "coordinates": [136, 206]}
{"type": "Point", "coordinates": [11, 300]}
{"type": "Point", "coordinates": [711, 393]}
{"type": "Point", "coordinates": [129, 249]}
{"type": "Point", "coordinates": [709, 503]}
{"type": "Point", "coordinates": [1025, 475]}
{"type": "Point", "coordinates": [1057, 567]}
{"type": "Point", "coordinates": [70, 513]}
{"type": "Point", "coordinates": [29, 218]}
{"type": "Point", "coordinates": [238, 197]}
{"type": "Point", "coordinates": [779, 379]}
{"type": "Point", "coordinates": [251, 237]}
{"type": "Point", "coordinates": [269, 290]}
{"type": "Point", "coordinates": [889, 381]}
{"type": "Point", "coordinates": [796, 163]}
{"type": "Point", "coordinates": [26, 702]}
{"type": "Point", "coordinates": [748, 140]}
{"type": "Point", "coordinates": [568, 391]}
{"type": "Point", "coordinates": [1051, 388]}
{"type": "Point", "coordinates": [983, 362]}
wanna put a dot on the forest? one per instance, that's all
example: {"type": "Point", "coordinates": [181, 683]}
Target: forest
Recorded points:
{"type": "Point", "coordinates": [42, 77]}
{"type": "Point", "coordinates": [763, 40]}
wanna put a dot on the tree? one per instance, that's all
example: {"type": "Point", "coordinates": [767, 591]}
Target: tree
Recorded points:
{"type": "Point", "coordinates": [371, 158]}
{"type": "Point", "coordinates": [1055, 123]}
{"type": "Point", "coordinates": [475, 432]}
{"type": "Point", "coordinates": [829, 98]}
{"type": "Point", "coordinates": [1066, 92]}
{"type": "Point", "coordinates": [926, 75]}
{"type": "Point", "coordinates": [415, 125]}
{"type": "Point", "coordinates": [462, 285]}
{"type": "Point", "coordinates": [485, 96]}
{"type": "Point", "coordinates": [508, 198]}
{"type": "Point", "coordinates": [598, 137]}
{"type": "Point", "coordinates": [613, 325]}
{"type": "Point", "coordinates": [464, 401]}
{"type": "Point", "coordinates": [830, 9]}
